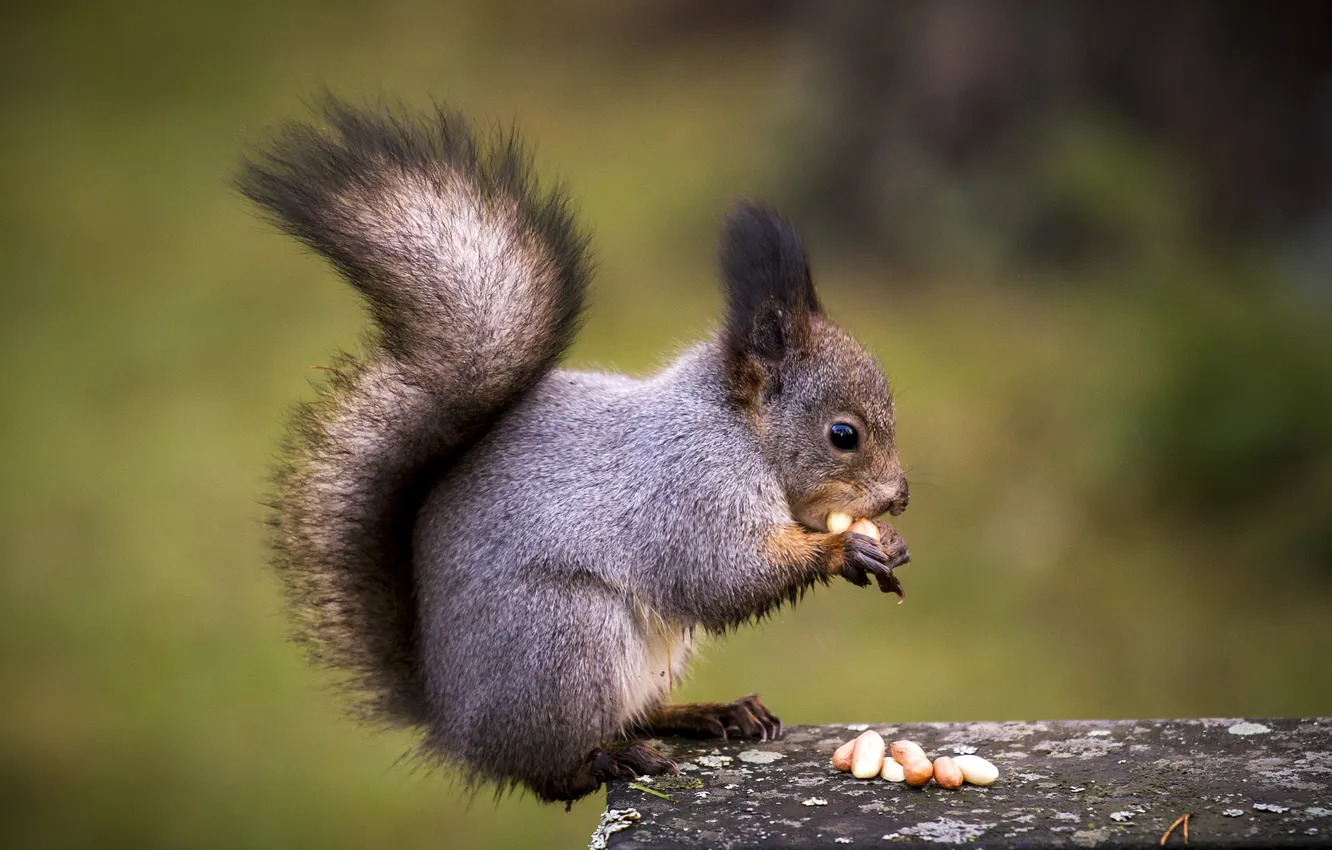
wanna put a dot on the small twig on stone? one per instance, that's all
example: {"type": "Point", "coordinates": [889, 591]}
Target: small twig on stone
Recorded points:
{"type": "Point", "coordinates": [1182, 819]}
{"type": "Point", "coordinates": [654, 793]}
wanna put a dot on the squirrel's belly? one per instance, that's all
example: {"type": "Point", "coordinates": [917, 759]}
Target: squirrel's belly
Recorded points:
{"type": "Point", "coordinates": [653, 667]}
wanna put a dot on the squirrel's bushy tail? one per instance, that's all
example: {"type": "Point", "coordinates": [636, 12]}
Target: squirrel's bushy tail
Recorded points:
{"type": "Point", "coordinates": [474, 277]}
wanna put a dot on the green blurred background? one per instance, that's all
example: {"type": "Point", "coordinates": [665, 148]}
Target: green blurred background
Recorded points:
{"type": "Point", "coordinates": [1090, 243]}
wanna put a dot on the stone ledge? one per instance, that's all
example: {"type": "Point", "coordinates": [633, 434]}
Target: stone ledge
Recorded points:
{"type": "Point", "coordinates": [1247, 783]}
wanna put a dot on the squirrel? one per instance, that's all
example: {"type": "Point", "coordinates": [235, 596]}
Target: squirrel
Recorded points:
{"type": "Point", "coordinates": [513, 559]}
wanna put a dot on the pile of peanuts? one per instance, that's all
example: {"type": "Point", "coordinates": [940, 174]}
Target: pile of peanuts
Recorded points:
{"type": "Point", "coordinates": [865, 758]}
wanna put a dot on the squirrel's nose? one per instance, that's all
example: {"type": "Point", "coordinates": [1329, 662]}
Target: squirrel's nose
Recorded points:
{"type": "Point", "coordinates": [892, 496]}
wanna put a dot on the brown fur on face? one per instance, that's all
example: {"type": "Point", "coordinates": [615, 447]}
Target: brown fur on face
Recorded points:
{"type": "Point", "coordinates": [830, 380]}
{"type": "Point", "coordinates": [836, 381]}
{"type": "Point", "coordinates": [795, 374]}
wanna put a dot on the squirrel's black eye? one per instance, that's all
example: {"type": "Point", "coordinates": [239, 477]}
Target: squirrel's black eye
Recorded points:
{"type": "Point", "coordinates": [843, 436]}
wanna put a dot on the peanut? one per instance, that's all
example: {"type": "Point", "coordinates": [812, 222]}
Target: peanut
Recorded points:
{"type": "Point", "coordinates": [892, 771]}
{"type": "Point", "coordinates": [905, 751]}
{"type": "Point", "coordinates": [976, 770]}
{"type": "Point", "coordinates": [841, 758]}
{"type": "Point", "coordinates": [865, 527]}
{"type": "Point", "coordinates": [918, 772]}
{"type": "Point", "coordinates": [947, 773]}
{"type": "Point", "coordinates": [838, 522]}
{"type": "Point", "coordinates": [867, 755]}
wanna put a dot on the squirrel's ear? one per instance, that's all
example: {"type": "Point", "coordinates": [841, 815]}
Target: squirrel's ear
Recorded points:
{"type": "Point", "coordinates": [770, 297]}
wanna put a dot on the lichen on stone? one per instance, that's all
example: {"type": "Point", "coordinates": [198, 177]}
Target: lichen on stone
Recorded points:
{"type": "Point", "coordinates": [613, 821]}
{"type": "Point", "coordinates": [1089, 837]}
{"type": "Point", "coordinates": [760, 756]}
{"type": "Point", "coordinates": [714, 761]}
{"type": "Point", "coordinates": [671, 782]}
{"type": "Point", "coordinates": [1247, 728]}
{"type": "Point", "coordinates": [943, 831]}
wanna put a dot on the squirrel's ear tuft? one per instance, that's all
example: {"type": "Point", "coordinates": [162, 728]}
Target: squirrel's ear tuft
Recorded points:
{"type": "Point", "coordinates": [769, 294]}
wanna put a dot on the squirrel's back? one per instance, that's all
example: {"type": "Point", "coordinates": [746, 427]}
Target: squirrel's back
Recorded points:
{"type": "Point", "coordinates": [449, 238]}
{"type": "Point", "coordinates": [590, 464]}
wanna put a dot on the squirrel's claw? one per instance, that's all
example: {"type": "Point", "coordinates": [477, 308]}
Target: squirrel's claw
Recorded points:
{"type": "Point", "coordinates": [890, 584]}
{"type": "Point", "coordinates": [762, 724]}
{"type": "Point", "coordinates": [747, 717]}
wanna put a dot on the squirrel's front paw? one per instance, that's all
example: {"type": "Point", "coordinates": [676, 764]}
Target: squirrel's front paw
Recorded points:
{"type": "Point", "coordinates": [863, 556]}
{"type": "Point", "coordinates": [893, 544]}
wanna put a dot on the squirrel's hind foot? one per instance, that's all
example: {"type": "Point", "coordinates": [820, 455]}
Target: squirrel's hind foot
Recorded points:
{"type": "Point", "coordinates": [618, 760]}
{"type": "Point", "coordinates": [747, 717]}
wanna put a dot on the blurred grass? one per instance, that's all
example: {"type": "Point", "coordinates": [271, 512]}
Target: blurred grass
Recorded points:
{"type": "Point", "coordinates": [154, 334]}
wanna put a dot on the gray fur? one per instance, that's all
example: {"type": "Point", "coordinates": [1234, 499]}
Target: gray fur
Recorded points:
{"type": "Point", "coordinates": [595, 510]}
{"type": "Point", "coordinates": [474, 277]}
{"type": "Point", "coordinates": [575, 500]}
{"type": "Point", "coordinates": [517, 559]}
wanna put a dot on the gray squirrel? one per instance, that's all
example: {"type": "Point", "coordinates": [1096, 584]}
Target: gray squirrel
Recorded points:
{"type": "Point", "coordinates": [515, 559]}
